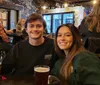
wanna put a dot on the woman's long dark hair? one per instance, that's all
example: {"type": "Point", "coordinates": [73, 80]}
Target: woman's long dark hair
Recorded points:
{"type": "Point", "coordinates": [76, 47]}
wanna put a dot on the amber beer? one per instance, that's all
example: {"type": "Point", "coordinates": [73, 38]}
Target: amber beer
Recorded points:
{"type": "Point", "coordinates": [41, 74]}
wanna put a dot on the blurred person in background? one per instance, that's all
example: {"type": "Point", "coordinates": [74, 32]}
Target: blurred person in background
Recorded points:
{"type": "Point", "coordinates": [19, 32]}
{"type": "Point", "coordinates": [90, 25]}
{"type": "Point", "coordinates": [20, 25]}
{"type": "Point", "coordinates": [5, 45]}
{"type": "Point", "coordinates": [36, 50]}
{"type": "Point", "coordinates": [75, 66]}
{"type": "Point", "coordinates": [3, 34]}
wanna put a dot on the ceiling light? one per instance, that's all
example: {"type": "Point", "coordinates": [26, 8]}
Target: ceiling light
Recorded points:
{"type": "Point", "coordinates": [44, 7]}
{"type": "Point", "coordinates": [65, 5]}
{"type": "Point", "coordinates": [94, 2]}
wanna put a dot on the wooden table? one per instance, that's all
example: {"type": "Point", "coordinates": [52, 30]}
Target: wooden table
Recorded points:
{"type": "Point", "coordinates": [21, 80]}
{"type": "Point", "coordinates": [18, 80]}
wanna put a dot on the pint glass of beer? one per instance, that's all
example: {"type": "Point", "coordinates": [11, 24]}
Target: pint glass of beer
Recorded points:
{"type": "Point", "coordinates": [41, 73]}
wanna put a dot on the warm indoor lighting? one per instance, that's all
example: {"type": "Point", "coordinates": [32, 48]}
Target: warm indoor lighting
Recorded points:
{"type": "Point", "coordinates": [44, 7]}
{"type": "Point", "coordinates": [94, 2]}
{"type": "Point", "coordinates": [65, 5]}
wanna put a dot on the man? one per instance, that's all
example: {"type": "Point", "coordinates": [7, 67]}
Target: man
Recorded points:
{"type": "Point", "coordinates": [36, 50]}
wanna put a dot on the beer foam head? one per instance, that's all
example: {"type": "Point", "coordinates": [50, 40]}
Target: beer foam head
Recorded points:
{"type": "Point", "coordinates": [41, 69]}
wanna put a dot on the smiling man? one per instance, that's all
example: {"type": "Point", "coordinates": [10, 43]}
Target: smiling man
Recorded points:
{"type": "Point", "coordinates": [36, 50]}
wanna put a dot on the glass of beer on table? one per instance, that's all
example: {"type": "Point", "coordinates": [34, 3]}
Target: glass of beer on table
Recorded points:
{"type": "Point", "coordinates": [41, 73]}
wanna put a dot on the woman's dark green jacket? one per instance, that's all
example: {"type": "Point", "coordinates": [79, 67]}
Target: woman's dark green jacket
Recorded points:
{"type": "Point", "coordinates": [86, 69]}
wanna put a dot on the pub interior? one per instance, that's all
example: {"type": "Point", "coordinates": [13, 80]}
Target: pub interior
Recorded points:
{"type": "Point", "coordinates": [54, 12]}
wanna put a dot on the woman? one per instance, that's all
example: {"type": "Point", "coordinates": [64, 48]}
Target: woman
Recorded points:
{"type": "Point", "coordinates": [20, 25]}
{"type": "Point", "coordinates": [76, 66]}
{"type": "Point", "coordinates": [20, 31]}
{"type": "Point", "coordinates": [90, 25]}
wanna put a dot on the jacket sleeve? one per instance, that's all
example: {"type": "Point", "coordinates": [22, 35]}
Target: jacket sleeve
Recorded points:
{"type": "Point", "coordinates": [83, 29]}
{"type": "Point", "coordinates": [8, 63]}
{"type": "Point", "coordinates": [56, 69]}
{"type": "Point", "coordinates": [88, 69]}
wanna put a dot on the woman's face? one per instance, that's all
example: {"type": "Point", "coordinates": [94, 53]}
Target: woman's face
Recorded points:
{"type": "Point", "coordinates": [64, 38]}
{"type": "Point", "coordinates": [22, 21]}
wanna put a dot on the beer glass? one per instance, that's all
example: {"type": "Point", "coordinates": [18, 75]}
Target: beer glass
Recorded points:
{"type": "Point", "coordinates": [41, 73]}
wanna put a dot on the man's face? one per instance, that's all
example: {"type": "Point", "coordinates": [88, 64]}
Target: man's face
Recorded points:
{"type": "Point", "coordinates": [35, 29]}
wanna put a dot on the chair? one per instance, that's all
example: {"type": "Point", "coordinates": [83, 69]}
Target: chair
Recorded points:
{"type": "Point", "coordinates": [93, 44]}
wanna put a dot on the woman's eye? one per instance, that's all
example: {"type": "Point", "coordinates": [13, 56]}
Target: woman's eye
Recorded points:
{"type": "Point", "coordinates": [59, 35]}
{"type": "Point", "coordinates": [67, 34]}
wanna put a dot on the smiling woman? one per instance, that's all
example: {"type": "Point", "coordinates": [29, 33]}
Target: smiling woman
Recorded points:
{"type": "Point", "coordinates": [76, 63]}
{"type": "Point", "coordinates": [64, 38]}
